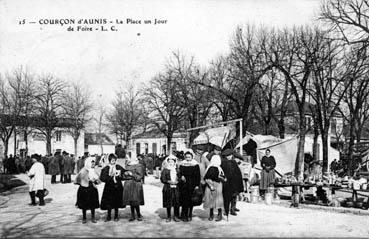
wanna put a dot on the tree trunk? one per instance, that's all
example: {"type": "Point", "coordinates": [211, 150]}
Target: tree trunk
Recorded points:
{"type": "Point", "coordinates": [15, 141]}
{"type": "Point", "coordinates": [281, 127]}
{"type": "Point", "coordinates": [325, 151]}
{"type": "Point", "coordinates": [169, 143]}
{"type": "Point", "coordinates": [75, 139]}
{"type": "Point", "coordinates": [26, 140]}
{"type": "Point", "coordinates": [6, 147]}
{"type": "Point", "coordinates": [351, 149]}
{"type": "Point", "coordinates": [299, 165]}
{"type": "Point", "coordinates": [315, 146]}
{"type": "Point", "coordinates": [48, 142]}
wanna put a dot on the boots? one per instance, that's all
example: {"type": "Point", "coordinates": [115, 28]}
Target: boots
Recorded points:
{"type": "Point", "coordinates": [108, 217]}
{"type": "Point", "coordinates": [84, 220]}
{"type": "Point", "coordinates": [116, 214]}
{"type": "Point", "coordinates": [41, 195]}
{"type": "Point", "coordinates": [132, 214]}
{"type": "Point", "coordinates": [168, 215]}
{"type": "Point", "coordinates": [219, 217]}
{"type": "Point", "coordinates": [33, 198]}
{"type": "Point", "coordinates": [93, 216]}
{"type": "Point", "coordinates": [190, 214]}
{"type": "Point", "coordinates": [211, 216]}
{"type": "Point", "coordinates": [139, 216]}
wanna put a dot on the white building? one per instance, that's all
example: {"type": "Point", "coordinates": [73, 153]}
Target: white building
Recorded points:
{"type": "Point", "coordinates": [155, 142]}
{"type": "Point", "coordinates": [61, 141]}
{"type": "Point", "coordinates": [96, 143]}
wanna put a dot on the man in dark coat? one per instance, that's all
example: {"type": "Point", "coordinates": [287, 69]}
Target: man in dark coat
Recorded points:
{"type": "Point", "coordinates": [234, 185]}
{"type": "Point", "coordinates": [120, 152]}
{"type": "Point", "coordinates": [54, 167]}
{"type": "Point", "coordinates": [68, 167]}
{"type": "Point", "coordinates": [61, 167]}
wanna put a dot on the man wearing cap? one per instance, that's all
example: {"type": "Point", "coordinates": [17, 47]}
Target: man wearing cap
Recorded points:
{"type": "Point", "coordinates": [234, 184]}
{"type": "Point", "coordinates": [216, 151]}
{"type": "Point", "coordinates": [37, 180]}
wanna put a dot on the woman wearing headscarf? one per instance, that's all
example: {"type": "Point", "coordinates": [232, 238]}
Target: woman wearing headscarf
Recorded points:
{"type": "Point", "coordinates": [214, 178]}
{"type": "Point", "coordinates": [169, 177]}
{"type": "Point", "coordinates": [87, 194]}
{"type": "Point", "coordinates": [189, 179]}
{"type": "Point", "coordinates": [267, 174]}
{"type": "Point", "coordinates": [133, 190]}
{"type": "Point", "coordinates": [112, 198]}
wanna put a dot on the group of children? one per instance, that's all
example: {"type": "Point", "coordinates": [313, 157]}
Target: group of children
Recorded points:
{"type": "Point", "coordinates": [185, 186]}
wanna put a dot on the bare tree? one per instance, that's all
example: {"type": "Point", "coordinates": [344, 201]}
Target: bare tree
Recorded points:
{"type": "Point", "coordinates": [77, 108]}
{"type": "Point", "coordinates": [161, 97]}
{"type": "Point", "coordinates": [291, 53]}
{"type": "Point", "coordinates": [49, 106]}
{"type": "Point", "coordinates": [193, 97]}
{"type": "Point", "coordinates": [100, 121]}
{"type": "Point", "coordinates": [355, 105]}
{"type": "Point", "coordinates": [218, 78]}
{"type": "Point", "coordinates": [17, 93]}
{"type": "Point", "coordinates": [246, 65]}
{"type": "Point", "coordinates": [127, 114]}
{"type": "Point", "coordinates": [348, 18]}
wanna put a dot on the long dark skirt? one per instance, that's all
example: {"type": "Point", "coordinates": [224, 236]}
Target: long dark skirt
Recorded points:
{"type": "Point", "coordinates": [266, 179]}
{"type": "Point", "coordinates": [133, 193]}
{"type": "Point", "coordinates": [112, 196]}
{"type": "Point", "coordinates": [87, 197]}
{"type": "Point", "coordinates": [170, 196]}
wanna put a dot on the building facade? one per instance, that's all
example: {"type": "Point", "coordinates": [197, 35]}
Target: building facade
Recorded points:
{"type": "Point", "coordinates": [155, 142]}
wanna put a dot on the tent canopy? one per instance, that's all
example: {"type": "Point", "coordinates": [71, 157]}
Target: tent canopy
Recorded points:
{"type": "Point", "coordinates": [285, 150]}
{"type": "Point", "coordinates": [219, 136]}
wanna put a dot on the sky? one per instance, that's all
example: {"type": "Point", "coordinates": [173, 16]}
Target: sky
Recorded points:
{"type": "Point", "coordinates": [108, 61]}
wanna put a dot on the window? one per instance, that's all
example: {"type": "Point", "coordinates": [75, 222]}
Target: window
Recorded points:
{"type": "Point", "coordinates": [138, 148]}
{"type": "Point", "coordinates": [154, 148]}
{"type": "Point", "coordinates": [146, 148]}
{"type": "Point", "coordinates": [58, 135]}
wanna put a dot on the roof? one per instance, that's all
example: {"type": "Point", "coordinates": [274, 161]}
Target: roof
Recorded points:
{"type": "Point", "coordinates": [94, 139]}
{"type": "Point", "coordinates": [292, 109]}
{"type": "Point", "coordinates": [33, 121]}
{"type": "Point", "coordinates": [155, 133]}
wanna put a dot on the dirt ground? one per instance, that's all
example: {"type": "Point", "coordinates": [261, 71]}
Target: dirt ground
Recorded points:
{"type": "Point", "coordinates": [60, 218]}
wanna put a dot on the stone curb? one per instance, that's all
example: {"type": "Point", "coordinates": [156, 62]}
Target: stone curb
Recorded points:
{"type": "Point", "coordinates": [325, 208]}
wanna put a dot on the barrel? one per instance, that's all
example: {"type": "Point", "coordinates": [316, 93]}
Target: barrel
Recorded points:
{"type": "Point", "coordinates": [254, 198]}
{"type": "Point", "coordinates": [269, 195]}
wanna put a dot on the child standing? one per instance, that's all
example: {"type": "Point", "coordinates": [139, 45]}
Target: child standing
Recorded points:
{"type": "Point", "coordinates": [169, 177]}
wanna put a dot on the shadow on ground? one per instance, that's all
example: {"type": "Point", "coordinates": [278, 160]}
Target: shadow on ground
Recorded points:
{"type": "Point", "coordinates": [9, 181]}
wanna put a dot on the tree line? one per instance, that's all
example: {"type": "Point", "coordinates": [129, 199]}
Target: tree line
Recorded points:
{"type": "Point", "coordinates": [321, 69]}
{"type": "Point", "coordinates": [41, 103]}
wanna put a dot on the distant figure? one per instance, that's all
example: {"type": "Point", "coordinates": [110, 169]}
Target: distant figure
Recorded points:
{"type": "Point", "coordinates": [37, 180]}
{"type": "Point", "coordinates": [333, 166]}
{"type": "Point", "coordinates": [121, 155]}
{"type": "Point", "coordinates": [81, 161]}
{"type": "Point", "coordinates": [267, 173]}
{"type": "Point", "coordinates": [54, 167]}
{"type": "Point", "coordinates": [28, 163]}
{"type": "Point", "coordinates": [68, 167]}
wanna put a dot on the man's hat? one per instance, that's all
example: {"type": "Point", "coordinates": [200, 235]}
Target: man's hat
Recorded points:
{"type": "Point", "coordinates": [227, 152]}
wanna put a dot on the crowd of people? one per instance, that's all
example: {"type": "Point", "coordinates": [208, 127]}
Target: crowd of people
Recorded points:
{"type": "Point", "coordinates": [207, 175]}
